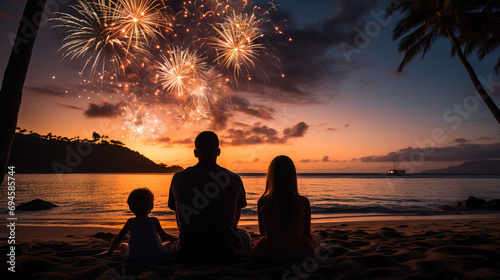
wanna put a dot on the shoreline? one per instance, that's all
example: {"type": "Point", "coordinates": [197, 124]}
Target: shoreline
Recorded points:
{"type": "Point", "coordinates": [316, 219]}
{"type": "Point", "coordinates": [42, 233]}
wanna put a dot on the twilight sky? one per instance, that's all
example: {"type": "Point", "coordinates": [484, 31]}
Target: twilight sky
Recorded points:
{"type": "Point", "coordinates": [340, 107]}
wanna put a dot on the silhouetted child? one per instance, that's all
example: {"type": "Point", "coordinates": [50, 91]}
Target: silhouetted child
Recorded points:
{"type": "Point", "coordinates": [144, 243]}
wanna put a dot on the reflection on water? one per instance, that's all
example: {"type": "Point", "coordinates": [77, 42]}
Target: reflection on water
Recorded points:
{"type": "Point", "coordinates": [100, 199]}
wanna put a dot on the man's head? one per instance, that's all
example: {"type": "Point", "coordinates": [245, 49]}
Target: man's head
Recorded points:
{"type": "Point", "coordinates": [206, 146]}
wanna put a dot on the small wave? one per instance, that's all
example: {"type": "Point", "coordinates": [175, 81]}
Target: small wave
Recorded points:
{"type": "Point", "coordinates": [163, 213]}
{"type": "Point", "coordinates": [392, 209]}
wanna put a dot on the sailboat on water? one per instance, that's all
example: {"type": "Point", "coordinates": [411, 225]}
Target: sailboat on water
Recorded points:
{"type": "Point", "coordinates": [396, 172]}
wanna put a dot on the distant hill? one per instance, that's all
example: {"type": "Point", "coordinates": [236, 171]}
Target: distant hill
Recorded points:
{"type": "Point", "coordinates": [34, 154]}
{"type": "Point", "coordinates": [484, 167]}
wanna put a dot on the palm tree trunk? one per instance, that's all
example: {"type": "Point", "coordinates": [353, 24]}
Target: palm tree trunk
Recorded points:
{"type": "Point", "coordinates": [477, 84]}
{"type": "Point", "coordinates": [14, 77]}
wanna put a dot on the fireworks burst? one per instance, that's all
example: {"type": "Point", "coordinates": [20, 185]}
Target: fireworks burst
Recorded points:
{"type": "Point", "coordinates": [145, 43]}
{"type": "Point", "coordinates": [189, 116]}
{"type": "Point", "coordinates": [139, 124]}
{"type": "Point", "coordinates": [92, 32]}
{"type": "Point", "coordinates": [139, 19]}
{"type": "Point", "coordinates": [208, 89]}
{"type": "Point", "coordinates": [180, 70]}
{"type": "Point", "coordinates": [236, 42]}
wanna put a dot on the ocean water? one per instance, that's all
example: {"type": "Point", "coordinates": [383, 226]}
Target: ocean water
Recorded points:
{"type": "Point", "coordinates": [100, 199]}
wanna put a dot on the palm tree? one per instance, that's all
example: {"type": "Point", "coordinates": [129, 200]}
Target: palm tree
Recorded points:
{"type": "Point", "coordinates": [96, 136]}
{"type": "Point", "coordinates": [473, 25]}
{"type": "Point", "coordinates": [14, 76]}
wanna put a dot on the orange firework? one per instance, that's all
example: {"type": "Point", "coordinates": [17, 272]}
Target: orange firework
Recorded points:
{"type": "Point", "coordinates": [235, 42]}
{"type": "Point", "coordinates": [179, 70]}
{"type": "Point", "coordinates": [140, 20]}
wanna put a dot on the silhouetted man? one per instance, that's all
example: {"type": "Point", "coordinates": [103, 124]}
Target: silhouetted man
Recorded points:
{"type": "Point", "coordinates": [207, 200]}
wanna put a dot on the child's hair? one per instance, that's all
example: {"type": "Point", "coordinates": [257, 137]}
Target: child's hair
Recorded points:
{"type": "Point", "coordinates": [141, 201]}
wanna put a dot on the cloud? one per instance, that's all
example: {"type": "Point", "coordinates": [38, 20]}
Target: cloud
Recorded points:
{"type": "Point", "coordinates": [68, 90]}
{"type": "Point", "coordinates": [460, 140]}
{"type": "Point", "coordinates": [459, 152]}
{"type": "Point", "coordinates": [262, 134]}
{"type": "Point", "coordinates": [242, 134]}
{"type": "Point", "coordinates": [163, 140]}
{"type": "Point", "coordinates": [483, 138]}
{"type": "Point", "coordinates": [324, 159]}
{"type": "Point", "coordinates": [220, 118]}
{"type": "Point", "coordinates": [168, 142]}
{"type": "Point", "coordinates": [245, 162]}
{"type": "Point", "coordinates": [69, 106]}
{"type": "Point", "coordinates": [240, 104]}
{"type": "Point", "coordinates": [396, 74]}
{"type": "Point", "coordinates": [297, 130]}
{"type": "Point", "coordinates": [185, 141]}
{"type": "Point", "coordinates": [337, 129]}
{"type": "Point", "coordinates": [223, 112]}
{"type": "Point", "coordinates": [47, 90]}
{"type": "Point", "coordinates": [103, 110]}
{"type": "Point", "coordinates": [257, 134]}
{"type": "Point", "coordinates": [241, 124]}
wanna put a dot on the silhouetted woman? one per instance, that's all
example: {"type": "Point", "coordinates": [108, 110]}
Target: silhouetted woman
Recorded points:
{"type": "Point", "coordinates": [284, 216]}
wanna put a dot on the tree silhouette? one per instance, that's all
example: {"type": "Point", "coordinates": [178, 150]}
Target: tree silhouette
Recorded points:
{"type": "Point", "coordinates": [14, 77]}
{"type": "Point", "coordinates": [114, 142]}
{"type": "Point", "coordinates": [96, 136]}
{"type": "Point", "coordinates": [475, 25]}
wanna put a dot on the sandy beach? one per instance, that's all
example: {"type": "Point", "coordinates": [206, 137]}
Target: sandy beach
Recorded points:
{"type": "Point", "coordinates": [394, 249]}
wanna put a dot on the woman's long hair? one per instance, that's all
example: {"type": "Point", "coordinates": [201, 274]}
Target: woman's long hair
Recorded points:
{"type": "Point", "coordinates": [281, 188]}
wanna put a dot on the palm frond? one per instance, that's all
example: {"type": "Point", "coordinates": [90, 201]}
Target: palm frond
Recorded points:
{"type": "Point", "coordinates": [479, 32]}
{"type": "Point", "coordinates": [422, 46]}
{"type": "Point", "coordinates": [427, 43]}
{"type": "Point", "coordinates": [409, 40]}
{"type": "Point", "coordinates": [413, 20]}
{"type": "Point", "coordinates": [395, 6]}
